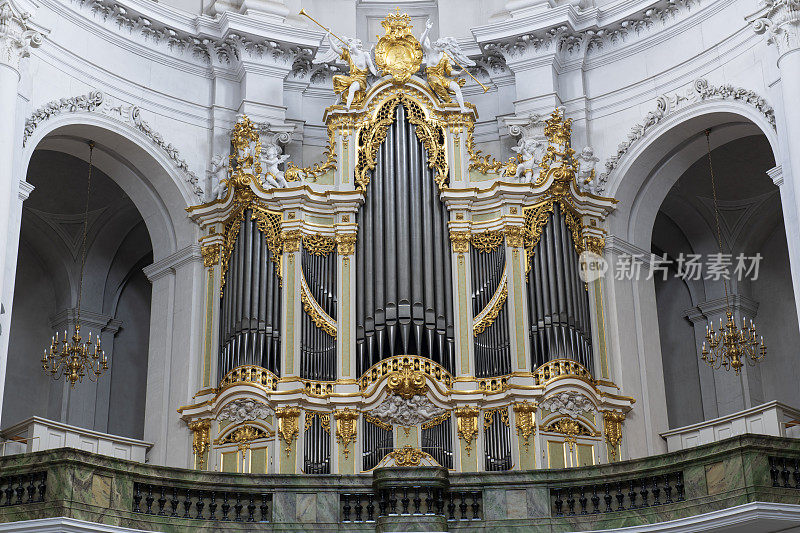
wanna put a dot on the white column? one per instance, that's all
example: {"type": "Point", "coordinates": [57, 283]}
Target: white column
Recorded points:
{"type": "Point", "coordinates": [779, 21]}
{"type": "Point", "coordinates": [16, 39]}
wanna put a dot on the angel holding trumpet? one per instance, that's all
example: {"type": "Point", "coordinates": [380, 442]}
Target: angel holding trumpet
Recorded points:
{"type": "Point", "coordinates": [439, 59]}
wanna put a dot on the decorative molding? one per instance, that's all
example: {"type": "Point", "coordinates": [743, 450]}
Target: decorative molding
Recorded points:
{"type": "Point", "coordinates": [396, 410]}
{"type": "Point", "coordinates": [242, 410]}
{"type": "Point", "coordinates": [17, 36]}
{"type": "Point", "coordinates": [667, 104]}
{"type": "Point", "coordinates": [568, 403]}
{"type": "Point", "coordinates": [131, 115]}
{"type": "Point", "coordinates": [562, 39]}
{"type": "Point", "coordinates": [779, 21]}
{"type": "Point", "coordinates": [226, 49]}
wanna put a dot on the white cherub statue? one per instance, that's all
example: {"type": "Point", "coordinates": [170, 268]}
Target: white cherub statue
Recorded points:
{"type": "Point", "coordinates": [271, 158]}
{"type": "Point", "coordinates": [586, 164]}
{"type": "Point", "coordinates": [531, 150]}
{"type": "Point", "coordinates": [217, 174]}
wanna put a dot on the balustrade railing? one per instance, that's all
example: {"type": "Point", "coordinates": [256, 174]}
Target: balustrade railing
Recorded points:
{"type": "Point", "coordinates": [222, 505]}
{"type": "Point", "coordinates": [23, 489]}
{"type": "Point", "coordinates": [622, 495]}
{"type": "Point", "coordinates": [785, 472]}
{"type": "Point", "coordinates": [454, 505]}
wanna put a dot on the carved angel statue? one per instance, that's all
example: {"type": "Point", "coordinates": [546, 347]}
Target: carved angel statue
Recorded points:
{"type": "Point", "coordinates": [586, 164]}
{"type": "Point", "coordinates": [438, 59]}
{"type": "Point", "coordinates": [217, 174]}
{"type": "Point", "coordinates": [352, 86]}
{"type": "Point", "coordinates": [270, 159]}
{"type": "Point", "coordinates": [531, 150]}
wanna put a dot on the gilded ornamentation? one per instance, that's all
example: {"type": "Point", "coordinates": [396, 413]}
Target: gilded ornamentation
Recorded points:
{"type": "Point", "coordinates": [488, 416]}
{"type": "Point", "coordinates": [524, 414]}
{"type": "Point", "coordinates": [319, 244]}
{"type": "Point", "coordinates": [407, 456]}
{"type": "Point", "coordinates": [379, 370]}
{"type": "Point", "coordinates": [210, 254]}
{"type": "Point", "coordinates": [251, 374]}
{"type": "Point", "coordinates": [315, 311]}
{"type": "Point", "coordinates": [406, 381]}
{"type": "Point", "coordinates": [487, 241]}
{"type": "Point", "coordinates": [489, 314]}
{"type": "Point", "coordinates": [373, 133]}
{"type": "Point", "coordinates": [467, 425]}
{"type": "Point", "coordinates": [291, 240]}
{"type": "Point", "coordinates": [288, 425]}
{"type": "Point", "coordinates": [612, 422]}
{"type": "Point", "coordinates": [346, 243]}
{"type": "Point", "coordinates": [377, 422]}
{"type": "Point", "coordinates": [460, 241]}
{"type": "Point", "coordinates": [201, 439]}
{"type": "Point", "coordinates": [571, 429]}
{"type": "Point", "coordinates": [324, 420]}
{"type": "Point", "coordinates": [398, 53]}
{"type": "Point", "coordinates": [441, 419]}
{"type": "Point", "coordinates": [346, 427]}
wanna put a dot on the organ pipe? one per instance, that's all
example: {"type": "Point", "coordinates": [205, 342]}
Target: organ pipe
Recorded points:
{"type": "Point", "coordinates": [404, 304]}
{"type": "Point", "coordinates": [318, 348]}
{"type": "Point", "coordinates": [250, 317]}
{"type": "Point", "coordinates": [492, 345]}
{"type": "Point", "coordinates": [560, 325]}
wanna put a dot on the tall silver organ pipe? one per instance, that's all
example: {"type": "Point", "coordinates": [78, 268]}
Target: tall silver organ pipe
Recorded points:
{"type": "Point", "coordinates": [378, 442]}
{"type": "Point", "coordinates": [560, 325]}
{"type": "Point", "coordinates": [492, 345]}
{"type": "Point", "coordinates": [318, 348]}
{"type": "Point", "coordinates": [437, 440]}
{"type": "Point", "coordinates": [497, 440]}
{"type": "Point", "coordinates": [404, 303]}
{"type": "Point", "coordinates": [250, 308]}
{"type": "Point", "coordinates": [317, 444]}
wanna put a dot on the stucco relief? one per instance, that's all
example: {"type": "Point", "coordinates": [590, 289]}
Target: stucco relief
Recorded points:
{"type": "Point", "coordinates": [396, 410]}
{"type": "Point", "coordinates": [98, 102]}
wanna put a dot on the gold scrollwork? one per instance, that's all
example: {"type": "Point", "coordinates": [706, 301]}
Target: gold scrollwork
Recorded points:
{"type": "Point", "coordinates": [407, 456]}
{"type": "Point", "coordinates": [398, 52]}
{"type": "Point", "coordinates": [288, 425]}
{"type": "Point", "coordinates": [612, 423]}
{"type": "Point", "coordinates": [407, 382]}
{"type": "Point", "coordinates": [488, 416]}
{"type": "Point", "coordinates": [487, 241]}
{"type": "Point", "coordinates": [251, 374]}
{"type": "Point", "coordinates": [315, 311]}
{"type": "Point", "coordinates": [346, 243]}
{"type": "Point", "coordinates": [489, 314]}
{"type": "Point", "coordinates": [319, 244]}
{"type": "Point", "coordinates": [460, 241]}
{"type": "Point", "coordinates": [524, 417]}
{"type": "Point", "coordinates": [393, 364]}
{"type": "Point", "coordinates": [324, 420]}
{"type": "Point", "coordinates": [467, 425]}
{"type": "Point", "coordinates": [373, 133]}
{"type": "Point", "coordinates": [432, 423]}
{"type": "Point", "coordinates": [201, 439]}
{"type": "Point", "coordinates": [346, 427]}
{"type": "Point", "coordinates": [210, 254]}
{"type": "Point", "coordinates": [377, 422]}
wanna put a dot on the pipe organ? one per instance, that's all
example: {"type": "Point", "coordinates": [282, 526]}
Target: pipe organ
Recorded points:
{"type": "Point", "coordinates": [408, 300]}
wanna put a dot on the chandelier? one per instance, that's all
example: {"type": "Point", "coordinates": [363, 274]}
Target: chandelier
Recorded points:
{"type": "Point", "coordinates": [71, 358]}
{"type": "Point", "coordinates": [729, 346]}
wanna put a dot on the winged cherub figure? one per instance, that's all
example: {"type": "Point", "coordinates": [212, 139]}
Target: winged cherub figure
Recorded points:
{"type": "Point", "coordinates": [439, 59]}
{"type": "Point", "coordinates": [352, 86]}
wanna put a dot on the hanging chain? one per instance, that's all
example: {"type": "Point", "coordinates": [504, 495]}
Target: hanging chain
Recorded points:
{"type": "Point", "coordinates": [85, 229]}
{"type": "Point", "coordinates": [716, 213]}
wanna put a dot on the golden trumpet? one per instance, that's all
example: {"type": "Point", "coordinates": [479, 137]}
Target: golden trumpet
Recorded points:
{"type": "Point", "coordinates": [315, 21]}
{"type": "Point", "coordinates": [485, 88]}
